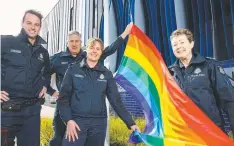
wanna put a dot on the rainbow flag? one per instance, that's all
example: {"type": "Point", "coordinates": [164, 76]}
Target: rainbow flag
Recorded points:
{"type": "Point", "coordinates": [172, 119]}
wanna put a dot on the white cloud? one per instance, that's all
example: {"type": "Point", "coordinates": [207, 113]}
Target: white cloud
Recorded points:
{"type": "Point", "coordinates": [12, 11]}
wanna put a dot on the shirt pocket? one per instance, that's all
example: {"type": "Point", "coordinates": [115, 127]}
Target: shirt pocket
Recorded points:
{"type": "Point", "coordinates": [80, 84]}
{"type": "Point", "coordinates": [15, 58]}
{"type": "Point", "coordinates": [101, 85]}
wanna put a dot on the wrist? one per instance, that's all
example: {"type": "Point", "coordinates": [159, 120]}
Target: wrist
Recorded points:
{"type": "Point", "coordinates": [69, 121]}
{"type": "Point", "coordinates": [124, 35]}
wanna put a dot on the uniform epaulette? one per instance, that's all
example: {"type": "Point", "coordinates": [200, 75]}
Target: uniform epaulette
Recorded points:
{"type": "Point", "coordinates": [7, 37]}
{"type": "Point", "coordinates": [73, 63]}
{"type": "Point", "coordinates": [58, 54]}
{"type": "Point", "coordinates": [210, 58]}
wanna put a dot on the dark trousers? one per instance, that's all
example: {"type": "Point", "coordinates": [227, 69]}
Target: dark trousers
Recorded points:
{"type": "Point", "coordinates": [23, 125]}
{"type": "Point", "coordinates": [93, 132]}
{"type": "Point", "coordinates": [59, 130]}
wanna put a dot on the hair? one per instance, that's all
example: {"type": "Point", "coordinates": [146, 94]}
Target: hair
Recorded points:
{"type": "Point", "coordinates": [91, 42]}
{"type": "Point", "coordinates": [34, 12]}
{"type": "Point", "coordinates": [182, 31]}
{"type": "Point", "coordinates": [73, 32]}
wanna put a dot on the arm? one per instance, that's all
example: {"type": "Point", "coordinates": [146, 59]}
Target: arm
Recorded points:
{"type": "Point", "coordinates": [46, 73]}
{"type": "Point", "coordinates": [117, 43]}
{"type": "Point", "coordinates": [65, 96]}
{"type": "Point", "coordinates": [50, 90]}
{"type": "Point", "coordinates": [4, 95]}
{"type": "Point", "coordinates": [223, 90]}
{"type": "Point", "coordinates": [115, 101]}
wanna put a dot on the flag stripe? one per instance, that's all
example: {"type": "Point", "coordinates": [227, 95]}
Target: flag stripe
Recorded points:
{"type": "Point", "coordinates": [141, 36]}
{"type": "Point", "coordinates": [148, 98]}
{"type": "Point", "coordinates": [146, 65]}
{"type": "Point", "coordinates": [123, 82]}
{"type": "Point", "coordinates": [147, 52]}
{"type": "Point", "coordinates": [195, 117]}
{"type": "Point", "coordinates": [140, 72]}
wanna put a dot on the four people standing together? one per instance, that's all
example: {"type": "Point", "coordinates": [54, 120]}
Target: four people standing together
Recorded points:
{"type": "Point", "coordinates": [84, 83]}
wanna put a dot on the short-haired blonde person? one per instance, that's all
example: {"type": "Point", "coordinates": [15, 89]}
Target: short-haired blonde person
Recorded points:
{"type": "Point", "coordinates": [59, 65]}
{"type": "Point", "coordinates": [82, 100]}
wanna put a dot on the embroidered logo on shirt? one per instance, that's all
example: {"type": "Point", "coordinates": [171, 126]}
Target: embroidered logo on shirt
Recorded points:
{"type": "Point", "coordinates": [15, 51]}
{"type": "Point", "coordinates": [41, 57]}
{"type": "Point", "coordinates": [101, 76]}
{"type": "Point", "coordinates": [197, 71]}
{"type": "Point", "coordinates": [64, 62]}
{"type": "Point", "coordinates": [79, 76]}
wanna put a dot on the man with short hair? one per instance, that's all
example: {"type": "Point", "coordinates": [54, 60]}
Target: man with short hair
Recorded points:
{"type": "Point", "coordinates": [59, 65]}
{"type": "Point", "coordinates": [25, 73]}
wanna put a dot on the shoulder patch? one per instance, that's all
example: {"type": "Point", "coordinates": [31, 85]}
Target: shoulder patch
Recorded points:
{"type": "Point", "coordinates": [210, 58]}
{"type": "Point", "coordinates": [57, 54]}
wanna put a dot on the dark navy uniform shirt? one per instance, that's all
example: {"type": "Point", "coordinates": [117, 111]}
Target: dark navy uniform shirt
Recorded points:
{"type": "Point", "coordinates": [25, 68]}
{"type": "Point", "coordinates": [83, 92]}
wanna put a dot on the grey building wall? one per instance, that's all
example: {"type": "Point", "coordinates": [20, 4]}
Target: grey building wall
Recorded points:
{"type": "Point", "coordinates": [81, 15]}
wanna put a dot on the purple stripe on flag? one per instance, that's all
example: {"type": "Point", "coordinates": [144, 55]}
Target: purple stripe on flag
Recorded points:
{"type": "Point", "coordinates": [124, 83]}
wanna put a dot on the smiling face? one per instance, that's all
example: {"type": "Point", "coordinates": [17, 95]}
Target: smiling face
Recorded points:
{"type": "Point", "coordinates": [74, 43]}
{"type": "Point", "coordinates": [181, 46]}
{"type": "Point", "coordinates": [94, 51]}
{"type": "Point", "coordinates": [32, 25]}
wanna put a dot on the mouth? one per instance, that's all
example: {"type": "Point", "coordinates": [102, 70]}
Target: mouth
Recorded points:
{"type": "Point", "coordinates": [32, 32]}
{"type": "Point", "coordinates": [180, 51]}
{"type": "Point", "coordinates": [93, 55]}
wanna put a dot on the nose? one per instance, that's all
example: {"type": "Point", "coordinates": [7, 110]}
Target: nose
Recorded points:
{"type": "Point", "coordinates": [179, 45]}
{"type": "Point", "coordinates": [73, 44]}
{"type": "Point", "coordinates": [32, 27]}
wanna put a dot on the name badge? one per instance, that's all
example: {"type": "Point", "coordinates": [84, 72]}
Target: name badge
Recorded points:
{"type": "Point", "coordinates": [64, 62]}
{"type": "Point", "coordinates": [79, 76]}
{"type": "Point", "coordinates": [15, 51]}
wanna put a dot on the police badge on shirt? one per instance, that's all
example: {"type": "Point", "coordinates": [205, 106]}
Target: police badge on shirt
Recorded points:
{"type": "Point", "coordinates": [41, 57]}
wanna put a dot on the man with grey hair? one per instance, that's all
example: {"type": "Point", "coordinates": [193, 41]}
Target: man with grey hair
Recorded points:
{"type": "Point", "coordinates": [59, 65]}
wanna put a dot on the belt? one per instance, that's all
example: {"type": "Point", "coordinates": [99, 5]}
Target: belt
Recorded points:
{"type": "Point", "coordinates": [17, 105]}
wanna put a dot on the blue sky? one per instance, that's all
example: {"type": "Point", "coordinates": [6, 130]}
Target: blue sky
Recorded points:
{"type": "Point", "coordinates": [12, 11]}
